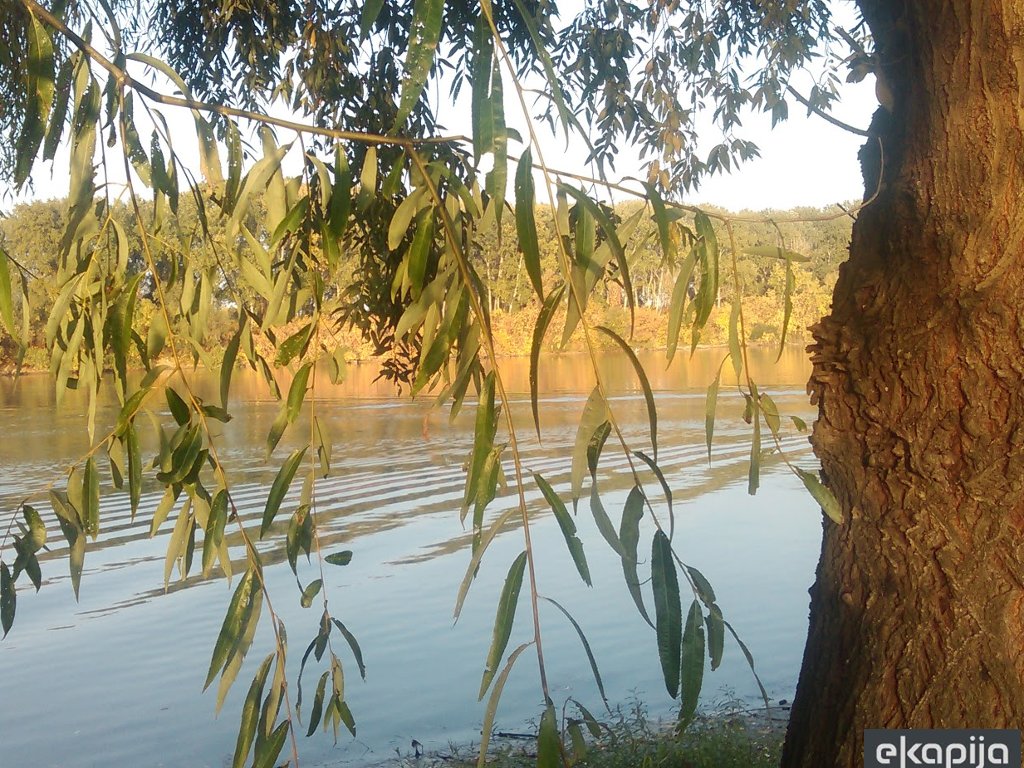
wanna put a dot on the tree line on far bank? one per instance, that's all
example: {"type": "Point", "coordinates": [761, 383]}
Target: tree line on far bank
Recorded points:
{"type": "Point", "coordinates": [31, 236]}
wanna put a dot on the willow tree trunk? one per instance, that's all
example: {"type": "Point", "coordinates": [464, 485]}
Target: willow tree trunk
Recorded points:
{"type": "Point", "coordinates": [917, 613]}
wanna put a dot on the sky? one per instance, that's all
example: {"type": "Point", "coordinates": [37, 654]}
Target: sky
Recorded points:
{"type": "Point", "coordinates": [805, 161]}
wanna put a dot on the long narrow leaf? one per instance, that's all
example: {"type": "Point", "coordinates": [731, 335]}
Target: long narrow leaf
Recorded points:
{"type": "Point", "coordinates": [667, 610]}
{"type": "Point", "coordinates": [503, 621]}
{"type": "Point", "coordinates": [547, 311]}
{"type": "Point", "coordinates": [652, 410]}
{"type": "Point", "coordinates": [692, 664]}
{"type": "Point", "coordinates": [568, 527]}
{"type": "Point", "coordinates": [586, 647]}
{"type": "Point", "coordinates": [280, 487]}
{"type": "Point", "coordinates": [629, 536]}
{"type": "Point", "coordinates": [492, 703]}
{"type": "Point", "coordinates": [424, 35]}
{"type": "Point", "coordinates": [526, 224]}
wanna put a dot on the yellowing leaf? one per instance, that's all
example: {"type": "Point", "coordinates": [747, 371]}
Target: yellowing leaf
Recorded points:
{"type": "Point", "coordinates": [822, 495]}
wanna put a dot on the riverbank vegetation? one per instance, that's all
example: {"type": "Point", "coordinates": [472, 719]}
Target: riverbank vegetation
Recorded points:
{"type": "Point", "coordinates": [31, 236]}
{"type": "Point", "coordinates": [728, 737]}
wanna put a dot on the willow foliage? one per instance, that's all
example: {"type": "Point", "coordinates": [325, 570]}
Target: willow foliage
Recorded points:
{"type": "Point", "coordinates": [380, 181]}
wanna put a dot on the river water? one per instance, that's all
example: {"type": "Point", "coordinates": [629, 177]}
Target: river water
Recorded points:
{"type": "Point", "coordinates": [116, 678]}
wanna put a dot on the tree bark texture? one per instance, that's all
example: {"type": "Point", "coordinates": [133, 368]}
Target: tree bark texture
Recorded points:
{"type": "Point", "coordinates": [917, 613]}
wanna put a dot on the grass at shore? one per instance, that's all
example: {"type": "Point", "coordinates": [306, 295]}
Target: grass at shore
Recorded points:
{"type": "Point", "coordinates": [633, 740]}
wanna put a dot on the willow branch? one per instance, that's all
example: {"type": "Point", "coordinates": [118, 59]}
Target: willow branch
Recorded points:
{"type": "Point", "coordinates": [125, 79]}
{"type": "Point", "coordinates": [825, 115]}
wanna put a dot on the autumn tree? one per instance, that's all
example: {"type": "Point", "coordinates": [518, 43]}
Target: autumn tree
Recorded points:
{"type": "Point", "coordinates": [917, 609]}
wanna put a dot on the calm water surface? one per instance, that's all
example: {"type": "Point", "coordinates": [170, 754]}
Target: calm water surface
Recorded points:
{"type": "Point", "coordinates": [116, 679]}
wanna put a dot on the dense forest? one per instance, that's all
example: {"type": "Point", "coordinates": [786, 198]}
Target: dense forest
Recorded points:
{"type": "Point", "coordinates": [31, 236]}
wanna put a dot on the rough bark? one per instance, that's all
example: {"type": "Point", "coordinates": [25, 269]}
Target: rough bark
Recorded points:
{"type": "Point", "coordinates": [917, 613]}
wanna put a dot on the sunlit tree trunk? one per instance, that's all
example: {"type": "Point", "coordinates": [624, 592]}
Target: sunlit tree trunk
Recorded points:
{"type": "Point", "coordinates": [917, 613]}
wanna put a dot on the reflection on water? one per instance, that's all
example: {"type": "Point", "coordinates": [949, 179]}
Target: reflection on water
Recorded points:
{"type": "Point", "coordinates": [116, 679]}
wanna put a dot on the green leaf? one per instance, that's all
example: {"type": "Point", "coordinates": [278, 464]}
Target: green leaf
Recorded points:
{"type": "Point", "coordinates": [497, 179]}
{"type": "Point", "coordinates": [318, 704]}
{"type": "Point", "coordinates": [586, 647]}
{"type": "Point", "coordinates": [162, 510]}
{"type": "Point", "coordinates": [549, 743]}
{"type": "Point", "coordinates": [250, 714]}
{"type": "Point", "coordinates": [482, 102]}
{"type": "Point", "coordinates": [341, 195]}
{"type": "Point", "coordinates": [667, 610]}
{"type": "Point", "coordinates": [692, 664]}
{"type": "Point", "coordinates": [595, 414]}
{"type": "Point", "coordinates": [825, 498]}
{"type": "Point", "coordinates": [478, 553]}
{"type": "Point", "coordinates": [256, 180]}
{"type": "Point", "coordinates": [770, 411]}
{"type": "Point", "coordinates": [297, 392]}
{"type": "Point", "coordinates": [59, 112]}
{"type": "Point", "coordinates": [214, 533]}
{"type": "Point", "coordinates": [703, 587]}
{"type": "Point", "coordinates": [735, 347]}
{"type": "Point", "coordinates": [652, 410]}
{"type": "Point", "coordinates": [419, 251]}
{"type": "Point", "coordinates": [503, 621]}
{"type": "Point", "coordinates": [612, 240]}
{"type": "Point", "coordinates": [664, 488]}
{"type": "Point", "coordinates": [492, 704]}
{"type": "Point", "coordinates": [8, 599]}
{"type": "Point", "coordinates": [266, 756]}
{"type": "Point", "coordinates": [678, 302]}
{"type": "Point", "coordinates": [754, 476]}
{"type": "Point", "coordinates": [231, 628]}
{"type": "Point", "coordinates": [178, 407]}
{"type": "Point", "coordinates": [568, 528]}
{"type": "Point", "coordinates": [661, 219]}
{"type": "Point", "coordinates": [122, 319]}
{"type": "Point", "coordinates": [310, 592]}
{"type": "Point", "coordinates": [595, 448]}
{"type": "Point", "coordinates": [424, 35]}
{"type": "Point", "coordinates": [750, 663]}
{"type": "Point", "coordinates": [280, 487]}
{"type": "Point", "coordinates": [353, 644]}
{"type": "Point", "coordinates": [547, 311]}
{"type": "Point", "coordinates": [629, 536]}
{"type": "Point", "coordinates": [227, 365]}
{"type": "Point", "coordinates": [369, 14]}
{"type": "Point", "coordinates": [339, 558]}
{"type": "Point", "coordinates": [403, 216]}
{"type": "Point", "coordinates": [526, 224]}
{"type": "Point", "coordinates": [799, 423]}
{"type": "Point", "coordinates": [6, 300]}
{"type": "Point", "coordinates": [483, 441]}
{"type": "Point", "coordinates": [710, 406]}
{"type": "Point", "coordinates": [178, 543]}
{"type": "Point", "coordinates": [91, 499]}
{"type": "Point", "coordinates": [787, 306]}
{"type": "Point", "coordinates": [716, 635]}
{"type": "Point", "coordinates": [604, 523]}
{"type": "Point", "coordinates": [367, 179]}
{"type": "Point", "coordinates": [40, 75]}
{"type": "Point", "coordinates": [36, 527]}
{"type": "Point", "coordinates": [707, 257]}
